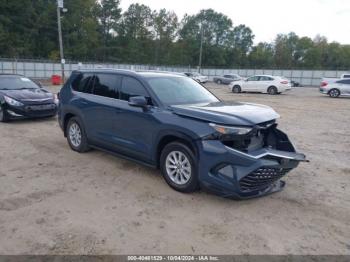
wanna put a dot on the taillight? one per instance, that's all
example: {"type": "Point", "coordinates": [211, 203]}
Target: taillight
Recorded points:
{"type": "Point", "coordinates": [284, 82]}
{"type": "Point", "coordinates": [323, 83]}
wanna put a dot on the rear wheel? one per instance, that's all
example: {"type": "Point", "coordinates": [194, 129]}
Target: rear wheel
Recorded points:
{"type": "Point", "coordinates": [236, 89]}
{"type": "Point", "coordinates": [219, 82]}
{"type": "Point", "coordinates": [334, 93]}
{"type": "Point", "coordinates": [76, 135]}
{"type": "Point", "coordinates": [3, 115]}
{"type": "Point", "coordinates": [272, 90]}
{"type": "Point", "coordinates": [179, 167]}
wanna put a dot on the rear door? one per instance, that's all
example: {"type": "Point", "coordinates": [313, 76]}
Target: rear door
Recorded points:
{"type": "Point", "coordinates": [265, 82]}
{"type": "Point", "coordinates": [344, 86]}
{"type": "Point", "coordinates": [101, 110]}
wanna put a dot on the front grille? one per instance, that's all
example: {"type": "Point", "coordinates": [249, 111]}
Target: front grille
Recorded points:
{"type": "Point", "coordinates": [262, 177]}
{"type": "Point", "coordinates": [40, 107]}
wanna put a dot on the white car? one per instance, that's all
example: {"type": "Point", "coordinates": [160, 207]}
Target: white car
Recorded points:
{"type": "Point", "coordinates": [262, 83]}
{"type": "Point", "coordinates": [335, 88]}
{"type": "Point", "coordinates": [198, 77]}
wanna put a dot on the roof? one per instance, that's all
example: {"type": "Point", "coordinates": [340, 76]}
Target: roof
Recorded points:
{"type": "Point", "coordinates": [148, 73]}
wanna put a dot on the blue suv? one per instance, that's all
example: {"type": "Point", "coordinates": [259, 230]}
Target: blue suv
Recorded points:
{"type": "Point", "coordinates": [173, 123]}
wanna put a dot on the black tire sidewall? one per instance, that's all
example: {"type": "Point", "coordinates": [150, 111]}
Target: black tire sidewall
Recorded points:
{"type": "Point", "coordinates": [193, 184]}
{"type": "Point", "coordinates": [238, 88]}
{"type": "Point", "coordinates": [4, 115]}
{"type": "Point", "coordinates": [83, 147]}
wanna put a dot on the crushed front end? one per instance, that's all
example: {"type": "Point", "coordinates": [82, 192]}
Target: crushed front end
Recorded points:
{"type": "Point", "coordinates": [248, 163]}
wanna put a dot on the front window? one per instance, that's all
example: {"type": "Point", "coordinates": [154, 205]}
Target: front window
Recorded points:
{"type": "Point", "coordinates": [180, 90]}
{"type": "Point", "coordinates": [16, 83]}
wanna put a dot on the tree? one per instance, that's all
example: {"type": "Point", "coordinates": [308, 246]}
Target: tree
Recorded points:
{"type": "Point", "coordinates": [108, 14]}
{"type": "Point", "coordinates": [261, 56]}
{"type": "Point", "coordinates": [165, 28]}
{"type": "Point", "coordinates": [80, 30]}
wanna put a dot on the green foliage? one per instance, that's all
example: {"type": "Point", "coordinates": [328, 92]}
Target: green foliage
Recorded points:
{"type": "Point", "coordinates": [100, 31]}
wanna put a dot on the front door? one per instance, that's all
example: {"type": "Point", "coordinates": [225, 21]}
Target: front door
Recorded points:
{"type": "Point", "coordinates": [134, 131]}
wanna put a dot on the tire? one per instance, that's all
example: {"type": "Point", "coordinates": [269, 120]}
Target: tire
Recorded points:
{"type": "Point", "coordinates": [3, 115]}
{"type": "Point", "coordinates": [272, 90]}
{"type": "Point", "coordinates": [76, 136]}
{"type": "Point", "coordinates": [219, 81]}
{"type": "Point", "coordinates": [182, 177]}
{"type": "Point", "coordinates": [236, 89]}
{"type": "Point", "coordinates": [334, 93]}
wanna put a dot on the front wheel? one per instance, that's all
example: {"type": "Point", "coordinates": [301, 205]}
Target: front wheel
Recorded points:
{"type": "Point", "coordinates": [76, 135]}
{"type": "Point", "coordinates": [236, 89]}
{"type": "Point", "coordinates": [3, 115]}
{"type": "Point", "coordinates": [179, 167]}
{"type": "Point", "coordinates": [272, 90]}
{"type": "Point", "coordinates": [334, 93]}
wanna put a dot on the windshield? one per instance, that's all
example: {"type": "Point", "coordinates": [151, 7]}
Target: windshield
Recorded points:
{"type": "Point", "coordinates": [180, 90]}
{"type": "Point", "coordinates": [16, 82]}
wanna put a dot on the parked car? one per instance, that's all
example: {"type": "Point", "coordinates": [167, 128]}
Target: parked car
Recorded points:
{"type": "Point", "coordinates": [261, 83]}
{"type": "Point", "coordinates": [335, 88]}
{"type": "Point", "coordinates": [226, 79]}
{"type": "Point", "coordinates": [173, 123]}
{"type": "Point", "coordinates": [198, 77]}
{"type": "Point", "coordinates": [347, 75]}
{"type": "Point", "coordinates": [295, 84]}
{"type": "Point", "coordinates": [20, 97]}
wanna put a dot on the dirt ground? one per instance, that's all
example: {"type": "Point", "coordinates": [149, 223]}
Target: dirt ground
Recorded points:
{"type": "Point", "coordinates": [56, 201]}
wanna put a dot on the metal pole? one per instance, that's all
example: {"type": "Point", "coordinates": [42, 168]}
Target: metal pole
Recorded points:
{"type": "Point", "coordinates": [200, 50]}
{"type": "Point", "coordinates": [60, 40]}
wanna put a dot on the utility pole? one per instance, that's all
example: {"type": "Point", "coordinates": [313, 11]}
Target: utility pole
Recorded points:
{"type": "Point", "coordinates": [59, 7]}
{"type": "Point", "coordinates": [200, 50]}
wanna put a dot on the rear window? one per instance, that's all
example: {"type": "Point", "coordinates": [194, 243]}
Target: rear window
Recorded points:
{"type": "Point", "coordinates": [107, 85]}
{"type": "Point", "coordinates": [83, 83]}
{"type": "Point", "coordinates": [345, 81]}
{"type": "Point", "coordinates": [346, 76]}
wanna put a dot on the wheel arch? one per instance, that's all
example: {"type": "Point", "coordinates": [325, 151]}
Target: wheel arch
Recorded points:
{"type": "Point", "coordinates": [169, 137]}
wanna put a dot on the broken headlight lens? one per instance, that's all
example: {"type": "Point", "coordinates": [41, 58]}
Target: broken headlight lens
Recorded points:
{"type": "Point", "coordinates": [231, 130]}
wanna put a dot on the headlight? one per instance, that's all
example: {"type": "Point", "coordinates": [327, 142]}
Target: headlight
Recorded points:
{"type": "Point", "coordinates": [12, 102]}
{"type": "Point", "coordinates": [231, 130]}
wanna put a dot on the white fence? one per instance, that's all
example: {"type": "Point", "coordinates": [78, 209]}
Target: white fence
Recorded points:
{"type": "Point", "coordinates": [42, 69]}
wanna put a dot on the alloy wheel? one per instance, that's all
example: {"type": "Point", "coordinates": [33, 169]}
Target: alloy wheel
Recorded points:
{"type": "Point", "coordinates": [178, 167]}
{"type": "Point", "coordinates": [75, 134]}
{"type": "Point", "coordinates": [334, 93]}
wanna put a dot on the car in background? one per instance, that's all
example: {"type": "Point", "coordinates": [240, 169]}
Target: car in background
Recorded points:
{"type": "Point", "coordinates": [226, 79]}
{"type": "Point", "coordinates": [173, 123]}
{"type": "Point", "coordinates": [198, 77]}
{"type": "Point", "coordinates": [347, 75]}
{"type": "Point", "coordinates": [261, 83]}
{"type": "Point", "coordinates": [335, 88]}
{"type": "Point", "coordinates": [20, 97]}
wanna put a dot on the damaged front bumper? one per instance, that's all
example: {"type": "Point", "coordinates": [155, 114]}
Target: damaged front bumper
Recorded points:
{"type": "Point", "coordinates": [233, 173]}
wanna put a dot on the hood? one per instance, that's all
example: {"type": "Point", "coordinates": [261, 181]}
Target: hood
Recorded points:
{"type": "Point", "coordinates": [244, 114]}
{"type": "Point", "coordinates": [28, 95]}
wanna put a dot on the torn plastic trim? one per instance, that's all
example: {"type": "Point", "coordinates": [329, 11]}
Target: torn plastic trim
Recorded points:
{"type": "Point", "coordinates": [272, 152]}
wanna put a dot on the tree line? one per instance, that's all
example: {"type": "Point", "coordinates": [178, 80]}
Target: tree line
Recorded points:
{"type": "Point", "coordinates": [102, 31]}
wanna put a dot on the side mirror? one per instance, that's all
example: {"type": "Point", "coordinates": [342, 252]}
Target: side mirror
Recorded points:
{"type": "Point", "coordinates": [138, 101]}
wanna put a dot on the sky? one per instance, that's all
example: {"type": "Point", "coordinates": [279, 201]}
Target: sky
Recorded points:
{"type": "Point", "coordinates": [267, 18]}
